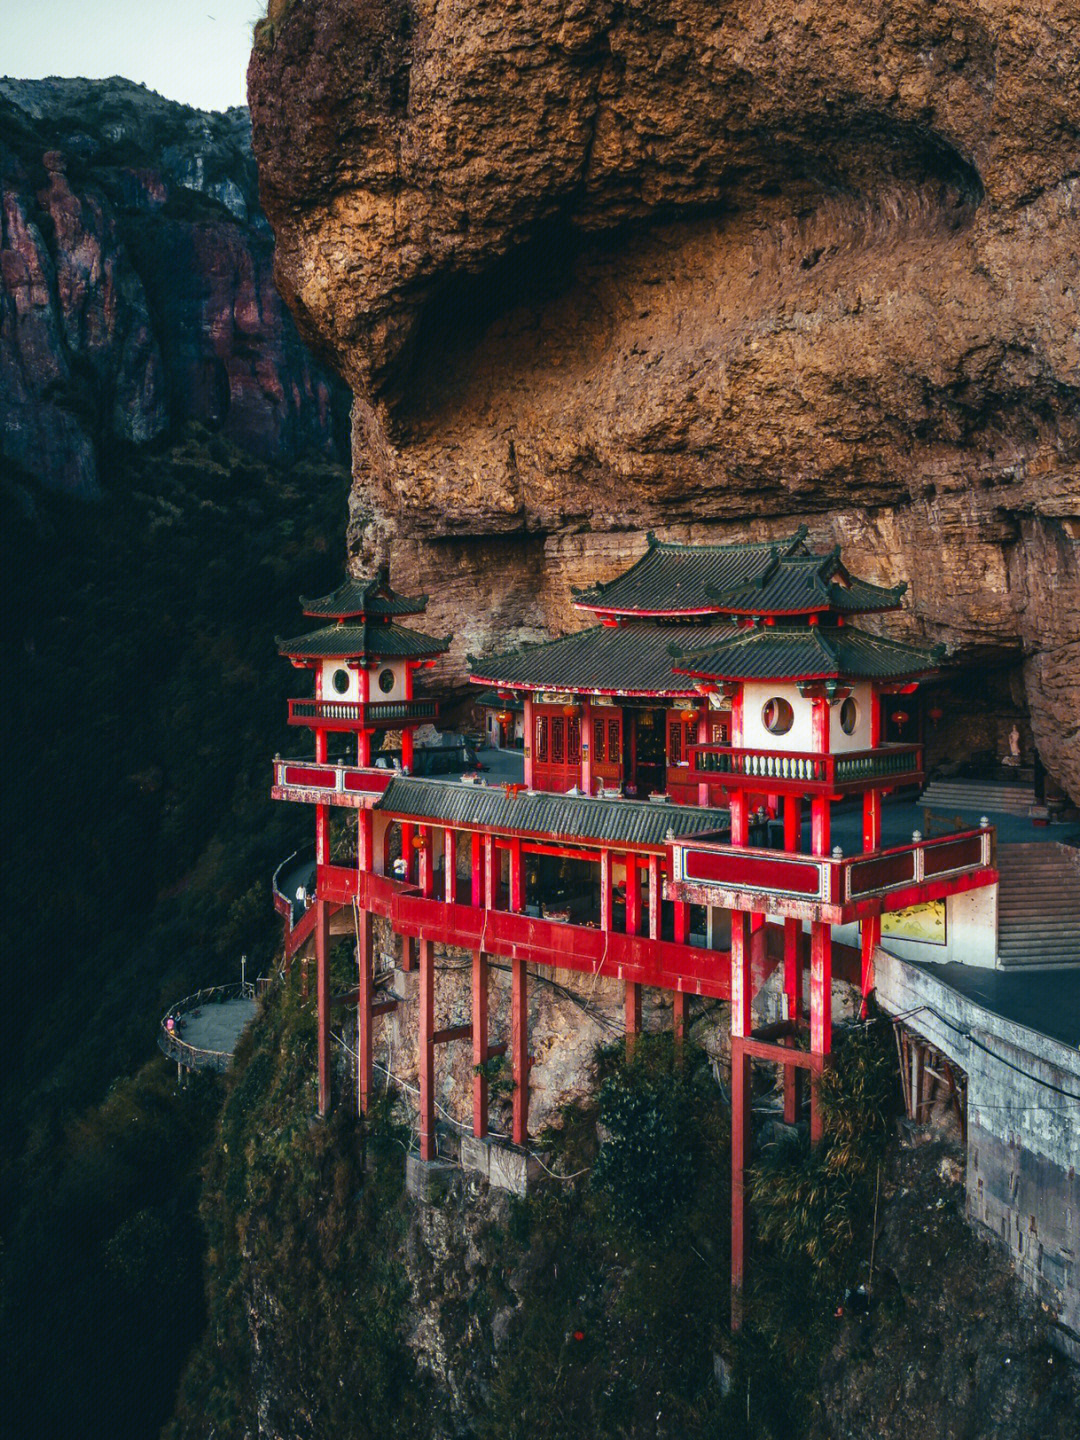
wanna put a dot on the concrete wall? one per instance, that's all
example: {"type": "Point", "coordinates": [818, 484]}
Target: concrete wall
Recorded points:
{"type": "Point", "coordinates": [970, 933]}
{"type": "Point", "coordinates": [1023, 1157]}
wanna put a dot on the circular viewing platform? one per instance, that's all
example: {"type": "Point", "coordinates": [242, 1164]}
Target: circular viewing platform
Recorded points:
{"type": "Point", "coordinates": [201, 1031]}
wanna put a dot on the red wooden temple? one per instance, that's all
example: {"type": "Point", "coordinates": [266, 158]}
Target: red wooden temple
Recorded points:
{"type": "Point", "coordinates": [674, 751]}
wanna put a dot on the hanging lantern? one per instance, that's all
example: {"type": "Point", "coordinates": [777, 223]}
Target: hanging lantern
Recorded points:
{"type": "Point", "coordinates": [936, 714]}
{"type": "Point", "coordinates": [419, 842]}
{"type": "Point", "coordinates": [900, 718]}
{"type": "Point", "coordinates": [569, 711]}
{"type": "Point", "coordinates": [504, 717]}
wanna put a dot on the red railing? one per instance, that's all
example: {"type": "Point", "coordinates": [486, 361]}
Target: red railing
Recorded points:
{"type": "Point", "coordinates": [306, 780]}
{"type": "Point", "coordinates": [358, 715]}
{"type": "Point", "coordinates": [803, 770]}
{"type": "Point", "coordinates": [835, 881]}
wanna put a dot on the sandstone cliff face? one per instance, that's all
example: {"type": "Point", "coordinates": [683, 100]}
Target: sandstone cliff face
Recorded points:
{"type": "Point", "coordinates": [136, 286]}
{"type": "Point", "coordinates": [594, 268]}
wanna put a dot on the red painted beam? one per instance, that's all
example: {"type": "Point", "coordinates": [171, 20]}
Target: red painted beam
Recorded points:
{"type": "Point", "coordinates": [453, 1032]}
{"type": "Point", "coordinates": [481, 1052]}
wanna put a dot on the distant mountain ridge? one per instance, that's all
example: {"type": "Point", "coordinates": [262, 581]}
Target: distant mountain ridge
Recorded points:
{"type": "Point", "coordinates": [136, 287]}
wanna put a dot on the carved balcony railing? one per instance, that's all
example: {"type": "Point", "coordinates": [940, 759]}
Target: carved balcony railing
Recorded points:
{"type": "Point", "coordinates": [832, 887]}
{"type": "Point", "coordinates": [787, 771]}
{"type": "Point", "coordinates": [315, 783]}
{"type": "Point", "coordinates": [360, 715]}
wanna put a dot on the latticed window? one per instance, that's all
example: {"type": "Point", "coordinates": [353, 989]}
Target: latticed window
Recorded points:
{"type": "Point", "coordinates": [573, 741]}
{"type": "Point", "coordinates": [598, 741]}
{"type": "Point", "coordinates": [558, 741]}
{"type": "Point", "coordinates": [542, 738]}
{"type": "Point", "coordinates": [614, 741]}
{"type": "Point", "coordinates": [675, 742]}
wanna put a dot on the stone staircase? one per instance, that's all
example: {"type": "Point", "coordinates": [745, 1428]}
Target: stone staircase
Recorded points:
{"type": "Point", "coordinates": [1038, 905]}
{"type": "Point", "coordinates": [978, 797]}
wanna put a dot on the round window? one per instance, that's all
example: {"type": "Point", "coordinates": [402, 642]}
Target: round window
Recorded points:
{"type": "Point", "coordinates": [777, 716]}
{"type": "Point", "coordinates": [849, 716]}
{"type": "Point", "coordinates": [386, 680]}
{"type": "Point", "coordinates": [340, 681]}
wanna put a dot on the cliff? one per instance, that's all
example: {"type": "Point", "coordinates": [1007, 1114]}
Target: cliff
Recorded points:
{"type": "Point", "coordinates": [136, 288]}
{"type": "Point", "coordinates": [592, 269]}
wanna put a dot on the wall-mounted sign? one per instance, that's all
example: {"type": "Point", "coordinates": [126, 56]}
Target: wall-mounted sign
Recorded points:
{"type": "Point", "coordinates": [924, 923]}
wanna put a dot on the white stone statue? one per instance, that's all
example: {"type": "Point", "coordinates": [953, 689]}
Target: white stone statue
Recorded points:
{"type": "Point", "coordinates": [1013, 757]}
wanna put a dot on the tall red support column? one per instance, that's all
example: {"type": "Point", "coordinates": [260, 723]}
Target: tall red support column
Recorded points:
{"type": "Point", "coordinates": [741, 1021]}
{"type": "Point", "coordinates": [871, 925]}
{"type": "Point", "coordinates": [480, 1042]}
{"type": "Point", "coordinates": [820, 1009]}
{"type": "Point", "coordinates": [322, 993]}
{"type": "Point", "coordinates": [408, 851]}
{"type": "Point", "coordinates": [682, 922]}
{"type": "Point", "coordinates": [519, 1048]}
{"type": "Point", "coordinates": [407, 749]}
{"type": "Point", "coordinates": [365, 989]}
{"type": "Point", "coordinates": [427, 1050]}
{"type": "Point", "coordinates": [426, 862]}
{"type": "Point", "coordinates": [793, 975]}
{"type": "Point", "coordinates": [632, 999]}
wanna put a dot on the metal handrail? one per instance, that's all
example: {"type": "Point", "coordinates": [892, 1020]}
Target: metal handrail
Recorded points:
{"type": "Point", "coordinates": [170, 1043]}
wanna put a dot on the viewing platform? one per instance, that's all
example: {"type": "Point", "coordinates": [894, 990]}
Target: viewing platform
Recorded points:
{"type": "Point", "coordinates": [201, 1031]}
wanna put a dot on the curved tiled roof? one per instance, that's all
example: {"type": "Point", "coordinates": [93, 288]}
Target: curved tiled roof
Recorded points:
{"type": "Point", "coordinates": [547, 816]}
{"type": "Point", "coordinates": [805, 585]}
{"type": "Point", "coordinates": [380, 640]}
{"type": "Point", "coordinates": [632, 659]}
{"type": "Point", "coordinates": [674, 579]}
{"type": "Point", "coordinates": [372, 597]}
{"type": "Point", "coordinates": [806, 652]}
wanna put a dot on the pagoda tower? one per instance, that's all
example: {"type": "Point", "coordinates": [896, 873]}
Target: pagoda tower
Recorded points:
{"type": "Point", "coordinates": [805, 690]}
{"type": "Point", "coordinates": [365, 665]}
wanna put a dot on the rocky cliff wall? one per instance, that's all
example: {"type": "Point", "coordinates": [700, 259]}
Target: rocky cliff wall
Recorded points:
{"type": "Point", "coordinates": [597, 268]}
{"type": "Point", "coordinates": [136, 286]}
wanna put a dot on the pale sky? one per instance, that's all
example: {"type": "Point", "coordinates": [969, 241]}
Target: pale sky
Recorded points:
{"type": "Point", "coordinates": [195, 51]}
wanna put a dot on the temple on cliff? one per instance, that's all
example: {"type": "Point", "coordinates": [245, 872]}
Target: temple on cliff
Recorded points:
{"type": "Point", "coordinates": [671, 825]}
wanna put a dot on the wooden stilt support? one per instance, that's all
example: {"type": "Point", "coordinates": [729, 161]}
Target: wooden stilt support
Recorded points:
{"type": "Point", "coordinates": [322, 994]}
{"type": "Point", "coordinates": [427, 1050]}
{"type": "Point", "coordinates": [519, 1048]}
{"type": "Point", "coordinates": [480, 1041]}
{"type": "Point", "coordinates": [793, 981]}
{"type": "Point", "coordinates": [820, 1010]}
{"type": "Point", "coordinates": [678, 1019]}
{"type": "Point", "coordinates": [632, 1012]}
{"type": "Point", "coordinates": [741, 998]}
{"type": "Point", "coordinates": [365, 992]}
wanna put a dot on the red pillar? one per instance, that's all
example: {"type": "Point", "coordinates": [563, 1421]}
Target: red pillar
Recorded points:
{"type": "Point", "coordinates": [530, 741]}
{"type": "Point", "coordinates": [517, 877]}
{"type": "Point", "coordinates": [682, 922]}
{"type": "Point", "coordinates": [491, 873]}
{"type": "Point", "coordinates": [655, 897]}
{"type": "Point", "coordinates": [607, 888]}
{"type": "Point", "coordinates": [450, 866]}
{"type": "Point", "coordinates": [519, 1047]}
{"type": "Point", "coordinates": [322, 992]}
{"type": "Point", "coordinates": [741, 997]}
{"type": "Point", "coordinates": [427, 1050]}
{"type": "Point", "coordinates": [408, 852]}
{"type": "Point", "coordinates": [477, 844]}
{"type": "Point", "coordinates": [740, 818]}
{"type": "Point", "coordinates": [586, 745]}
{"type": "Point", "coordinates": [819, 825]}
{"type": "Point", "coordinates": [480, 1041]}
{"type": "Point", "coordinates": [426, 862]}
{"type": "Point", "coordinates": [820, 1009]}
{"type": "Point", "coordinates": [365, 988]}
{"type": "Point", "coordinates": [407, 749]}
{"type": "Point", "coordinates": [633, 896]}
{"type": "Point", "coordinates": [871, 925]}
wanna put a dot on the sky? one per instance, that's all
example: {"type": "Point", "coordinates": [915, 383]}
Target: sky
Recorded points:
{"type": "Point", "coordinates": [195, 51]}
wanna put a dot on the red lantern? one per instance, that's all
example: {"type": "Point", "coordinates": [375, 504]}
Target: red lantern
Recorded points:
{"type": "Point", "coordinates": [900, 718]}
{"type": "Point", "coordinates": [936, 713]}
{"type": "Point", "coordinates": [569, 711]}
